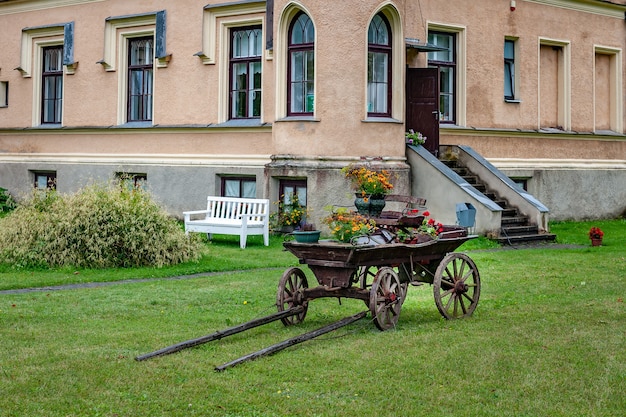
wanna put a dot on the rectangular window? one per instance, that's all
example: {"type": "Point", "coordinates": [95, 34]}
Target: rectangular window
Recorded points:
{"type": "Point", "coordinates": [292, 191]}
{"type": "Point", "coordinates": [132, 180]}
{"type": "Point", "coordinates": [52, 84]}
{"type": "Point", "coordinates": [239, 187]}
{"type": "Point", "coordinates": [245, 72]}
{"type": "Point", "coordinates": [378, 83]}
{"type": "Point", "coordinates": [140, 82]}
{"type": "Point", "coordinates": [509, 69]}
{"type": "Point", "coordinates": [4, 93]}
{"type": "Point", "coordinates": [45, 180]}
{"type": "Point", "coordinates": [445, 60]}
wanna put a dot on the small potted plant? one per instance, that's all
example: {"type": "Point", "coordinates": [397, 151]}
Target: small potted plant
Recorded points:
{"type": "Point", "coordinates": [307, 234]}
{"type": "Point", "coordinates": [596, 235]}
{"type": "Point", "coordinates": [370, 188]}
{"type": "Point", "coordinates": [414, 138]}
{"type": "Point", "coordinates": [345, 224]}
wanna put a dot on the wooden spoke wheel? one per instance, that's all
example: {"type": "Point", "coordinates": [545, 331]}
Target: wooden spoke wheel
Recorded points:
{"type": "Point", "coordinates": [291, 293]}
{"type": "Point", "coordinates": [456, 286]}
{"type": "Point", "coordinates": [367, 274]}
{"type": "Point", "coordinates": [386, 298]}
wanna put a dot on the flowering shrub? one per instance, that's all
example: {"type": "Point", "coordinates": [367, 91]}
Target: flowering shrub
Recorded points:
{"type": "Point", "coordinates": [596, 233]}
{"type": "Point", "coordinates": [369, 182]}
{"type": "Point", "coordinates": [290, 212]}
{"type": "Point", "coordinates": [414, 138]}
{"type": "Point", "coordinates": [345, 224]}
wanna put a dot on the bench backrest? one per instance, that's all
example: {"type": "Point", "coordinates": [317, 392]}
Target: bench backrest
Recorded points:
{"type": "Point", "coordinates": [233, 208]}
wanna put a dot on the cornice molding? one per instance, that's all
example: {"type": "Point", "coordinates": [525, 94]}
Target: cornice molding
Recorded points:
{"type": "Point", "coordinates": [34, 5]}
{"type": "Point", "coordinates": [603, 8]}
{"type": "Point", "coordinates": [138, 159]}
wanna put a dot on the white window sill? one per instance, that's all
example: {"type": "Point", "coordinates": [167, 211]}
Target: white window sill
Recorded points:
{"type": "Point", "coordinates": [298, 119]}
{"type": "Point", "coordinates": [381, 120]}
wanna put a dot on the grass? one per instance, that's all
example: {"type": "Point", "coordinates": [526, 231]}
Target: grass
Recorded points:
{"type": "Point", "coordinates": [547, 339]}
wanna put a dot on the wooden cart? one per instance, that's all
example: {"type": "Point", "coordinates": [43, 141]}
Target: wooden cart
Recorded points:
{"type": "Point", "coordinates": [379, 274]}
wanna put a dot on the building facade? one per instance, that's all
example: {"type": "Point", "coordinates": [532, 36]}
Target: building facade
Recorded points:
{"type": "Point", "coordinates": [270, 98]}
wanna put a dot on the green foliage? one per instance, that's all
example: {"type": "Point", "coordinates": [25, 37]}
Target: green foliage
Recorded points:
{"type": "Point", "coordinates": [547, 339]}
{"type": "Point", "coordinates": [100, 226]}
{"type": "Point", "coordinates": [7, 203]}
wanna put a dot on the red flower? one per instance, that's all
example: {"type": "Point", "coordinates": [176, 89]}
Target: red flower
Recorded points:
{"type": "Point", "coordinates": [426, 213]}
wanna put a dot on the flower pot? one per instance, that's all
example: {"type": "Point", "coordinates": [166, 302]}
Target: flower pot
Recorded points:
{"type": "Point", "coordinates": [369, 205]}
{"type": "Point", "coordinates": [362, 204]}
{"type": "Point", "coordinates": [377, 204]}
{"type": "Point", "coordinates": [596, 242]}
{"type": "Point", "coordinates": [309, 236]}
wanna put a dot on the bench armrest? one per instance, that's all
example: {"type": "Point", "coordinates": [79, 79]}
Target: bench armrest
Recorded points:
{"type": "Point", "coordinates": [188, 214]}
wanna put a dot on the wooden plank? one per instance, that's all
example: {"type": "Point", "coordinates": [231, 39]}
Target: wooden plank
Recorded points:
{"type": "Point", "coordinates": [293, 341]}
{"type": "Point", "coordinates": [223, 333]}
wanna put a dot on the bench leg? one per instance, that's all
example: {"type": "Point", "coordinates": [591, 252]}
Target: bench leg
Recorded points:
{"type": "Point", "coordinates": [242, 240]}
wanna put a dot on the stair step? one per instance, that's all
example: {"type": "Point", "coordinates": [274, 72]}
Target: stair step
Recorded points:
{"type": "Point", "coordinates": [519, 230]}
{"type": "Point", "coordinates": [509, 212]}
{"type": "Point", "coordinates": [515, 240]}
{"type": "Point", "coordinates": [514, 221]}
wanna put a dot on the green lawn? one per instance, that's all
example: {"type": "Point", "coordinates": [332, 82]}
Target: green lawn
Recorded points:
{"type": "Point", "coordinates": [547, 339]}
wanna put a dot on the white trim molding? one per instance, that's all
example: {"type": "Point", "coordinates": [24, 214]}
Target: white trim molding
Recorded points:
{"type": "Point", "coordinates": [211, 35]}
{"type": "Point", "coordinates": [603, 8]}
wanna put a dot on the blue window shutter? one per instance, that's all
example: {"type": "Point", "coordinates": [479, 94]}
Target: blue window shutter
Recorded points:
{"type": "Point", "coordinates": [68, 43]}
{"type": "Point", "coordinates": [160, 49]}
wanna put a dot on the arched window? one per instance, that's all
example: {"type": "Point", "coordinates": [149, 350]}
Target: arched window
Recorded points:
{"type": "Point", "coordinates": [301, 66]}
{"type": "Point", "coordinates": [379, 67]}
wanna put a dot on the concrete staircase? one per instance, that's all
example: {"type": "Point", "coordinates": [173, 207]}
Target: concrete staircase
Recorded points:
{"type": "Point", "coordinates": [515, 228]}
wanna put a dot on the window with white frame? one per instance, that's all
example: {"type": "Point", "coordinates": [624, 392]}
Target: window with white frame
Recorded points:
{"type": "Point", "coordinates": [445, 60]}
{"type": "Point", "coordinates": [47, 55]}
{"type": "Point", "coordinates": [379, 73]}
{"type": "Point", "coordinates": [139, 42]}
{"type": "Point", "coordinates": [301, 66]}
{"type": "Point", "coordinates": [245, 72]}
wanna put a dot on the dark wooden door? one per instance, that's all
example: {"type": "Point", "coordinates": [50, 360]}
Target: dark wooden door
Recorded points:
{"type": "Point", "coordinates": [422, 105]}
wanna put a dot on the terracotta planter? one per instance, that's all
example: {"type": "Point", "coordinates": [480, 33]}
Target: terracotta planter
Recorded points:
{"type": "Point", "coordinates": [596, 242]}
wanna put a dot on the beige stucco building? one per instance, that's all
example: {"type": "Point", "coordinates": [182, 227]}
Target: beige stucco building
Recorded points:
{"type": "Point", "coordinates": [261, 98]}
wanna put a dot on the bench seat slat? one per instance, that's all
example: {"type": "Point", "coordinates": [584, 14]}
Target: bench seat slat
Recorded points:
{"type": "Point", "coordinates": [232, 216]}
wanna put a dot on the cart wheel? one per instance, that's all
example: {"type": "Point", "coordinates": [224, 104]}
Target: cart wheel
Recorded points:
{"type": "Point", "coordinates": [290, 294]}
{"type": "Point", "coordinates": [386, 298]}
{"type": "Point", "coordinates": [366, 275]}
{"type": "Point", "coordinates": [456, 286]}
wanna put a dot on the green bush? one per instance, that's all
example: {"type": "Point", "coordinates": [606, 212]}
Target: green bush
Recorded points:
{"type": "Point", "coordinates": [101, 226]}
{"type": "Point", "coordinates": [7, 203]}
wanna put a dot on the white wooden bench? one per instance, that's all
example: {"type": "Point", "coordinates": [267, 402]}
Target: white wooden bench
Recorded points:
{"type": "Point", "coordinates": [231, 216]}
